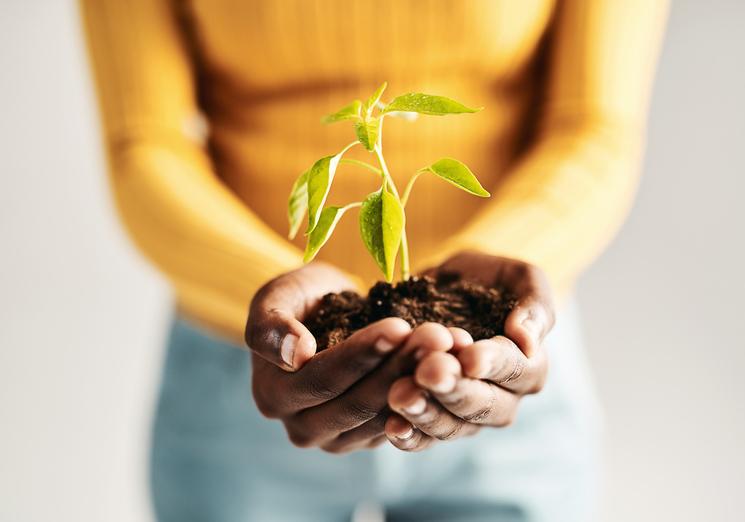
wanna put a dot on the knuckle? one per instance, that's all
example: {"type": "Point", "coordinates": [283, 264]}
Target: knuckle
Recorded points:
{"type": "Point", "coordinates": [267, 409]}
{"type": "Point", "coordinates": [361, 363]}
{"type": "Point", "coordinates": [479, 415]}
{"type": "Point", "coordinates": [334, 449]}
{"type": "Point", "coordinates": [513, 369]}
{"type": "Point", "coordinates": [455, 401]}
{"type": "Point", "coordinates": [299, 439]}
{"type": "Point", "coordinates": [376, 426]}
{"type": "Point", "coordinates": [361, 410]}
{"type": "Point", "coordinates": [320, 389]}
{"type": "Point", "coordinates": [451, 433]}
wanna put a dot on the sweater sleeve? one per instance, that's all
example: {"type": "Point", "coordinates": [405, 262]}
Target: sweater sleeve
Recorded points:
{"type": "Point", "coordinates": [215, 251]}
{"type": "Point", "coordinates": [565, 198]}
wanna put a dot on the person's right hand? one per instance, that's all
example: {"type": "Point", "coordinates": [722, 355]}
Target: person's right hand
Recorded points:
{"type": "Point", "coordinates": [337, 399]}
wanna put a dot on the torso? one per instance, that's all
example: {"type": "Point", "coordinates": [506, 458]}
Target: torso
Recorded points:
{"type": "Point", "coordinates": [270, 69]}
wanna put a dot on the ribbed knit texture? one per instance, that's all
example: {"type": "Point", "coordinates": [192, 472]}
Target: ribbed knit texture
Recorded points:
{"type": "Point", "coordinates": [564, 86]}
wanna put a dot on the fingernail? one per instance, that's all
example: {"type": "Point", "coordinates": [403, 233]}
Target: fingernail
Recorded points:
{"type": "Point", "coordinates": [446, 385]}
{"type": "Point", "coordinates": [420, 353]}
{"type": "Point", "coordinates": [417, 408]}
{"type": "Point", "coordinates": [383, 345]}
{"type": "Point", "coordinates": [287, 349]}
{"type": "Point", "coordinates": [406, 435]}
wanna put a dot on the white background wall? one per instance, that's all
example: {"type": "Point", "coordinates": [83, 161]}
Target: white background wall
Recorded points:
{"type": "Point", "coordinates": [664, 308]}
{"type": "Point", "coordinates": [83, 317]}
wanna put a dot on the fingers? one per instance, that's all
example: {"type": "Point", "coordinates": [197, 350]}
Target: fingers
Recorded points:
{"type": "Point", "coordinates": [368, 397]}
{"type": "Point", "coordinates": [461, 338]}
{"type": "Point", "coordinates": [428, 337]}
{"type": "Point", "coordinates": [331, 372]}
{"type": "Point", "coordinates": [424, 413]}
{"type": "Point", "coordinates": [279, 338]}
{"type": "Point", "coordinates": [438, 372]}
{"type": "Point", "coordinates": [500, 361]}
{"type": "Point", "coordinates": [273, 330]}
{"type": "Point", "coordinates": [334, 370]}
{"type": "Point", "coordinates": [367, 435]}
{"type": "Point", "coordinates": [472, 400]}
{"type": "Point", "coordinates": [375, 442]}
{"type": "Point", "coordinates": [404, 436]}
{"type": "Point", "coordinates": [533, 315]}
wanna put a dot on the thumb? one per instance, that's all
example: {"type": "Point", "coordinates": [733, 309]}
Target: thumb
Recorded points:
{"type": "Point", "coordinates": [532, 318]}
{"type": "Point", "coordinates": [275, 334]}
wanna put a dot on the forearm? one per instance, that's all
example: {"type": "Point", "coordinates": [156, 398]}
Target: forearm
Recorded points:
{"type": "Point", "coordinates": [561, 204]}
{"type": "Point", "coordinates": [208, 243]}
{"type": "Point", "coordinates": [214, 250]}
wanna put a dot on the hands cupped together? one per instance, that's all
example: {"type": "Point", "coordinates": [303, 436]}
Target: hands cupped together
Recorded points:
{"type": "Point", "coordinates": [387, 381]}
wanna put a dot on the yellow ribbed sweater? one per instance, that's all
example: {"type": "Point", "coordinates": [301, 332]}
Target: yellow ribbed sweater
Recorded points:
{"type": "Point", "coordinates": [211, 108]}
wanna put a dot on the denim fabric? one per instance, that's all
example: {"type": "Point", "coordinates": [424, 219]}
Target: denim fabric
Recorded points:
{"type": "Point", "coordinates": [216, 459]}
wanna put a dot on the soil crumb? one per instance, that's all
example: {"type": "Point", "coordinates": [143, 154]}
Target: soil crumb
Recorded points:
{"type": "Point", "coordinates": [448, 300]}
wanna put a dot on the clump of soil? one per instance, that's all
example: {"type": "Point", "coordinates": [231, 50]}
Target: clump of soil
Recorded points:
{"type": "Point", "coordinates": [449, 300]}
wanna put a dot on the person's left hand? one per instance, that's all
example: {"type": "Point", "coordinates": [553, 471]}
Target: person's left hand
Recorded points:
{"type": "Point", "coordinates": [477, 383]}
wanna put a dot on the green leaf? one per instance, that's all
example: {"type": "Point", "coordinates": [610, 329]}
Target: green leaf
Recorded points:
{"type": "Point", "coordinates": [382, 221]}
{"type": "Point", "coordinates": [455, 172]}
{"type": "Point", "coordinates": [320, 177]}
{"type": "Point", "coordinates": [375, 98]}
{"type": "Point", "coordinates": [348, 112]}
{"type": "Point", "coordinates": [298, 203]}
{"type": "Point", "coordinates": [319, 184]}
{"type": "Point", "coordinates": [367, 132]}
{"type": "Point", "coordinates": [325, 227]}
{"type": "Point", "coordinates": [427, 104]}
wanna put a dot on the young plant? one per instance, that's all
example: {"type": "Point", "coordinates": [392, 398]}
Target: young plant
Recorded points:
{"type": "Point", "coordinates": [382, 218]}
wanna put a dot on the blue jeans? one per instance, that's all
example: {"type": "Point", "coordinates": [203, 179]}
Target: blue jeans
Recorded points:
{"type": "Point", "coordinates": [216, 459]}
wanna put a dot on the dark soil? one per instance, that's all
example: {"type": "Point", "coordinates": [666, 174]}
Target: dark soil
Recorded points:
{"type": "Point", "coordinates": [449, 301]}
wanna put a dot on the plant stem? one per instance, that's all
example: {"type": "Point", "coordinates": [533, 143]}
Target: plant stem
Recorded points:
{"type": "Point", "coordinates": [350, 161]}
{"type": "Point", "coordinates": [405, 270]}
{"type": "Point", "coordinates": [352, 205]}
{"type": "Point", "coordinates": [407, 190]}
